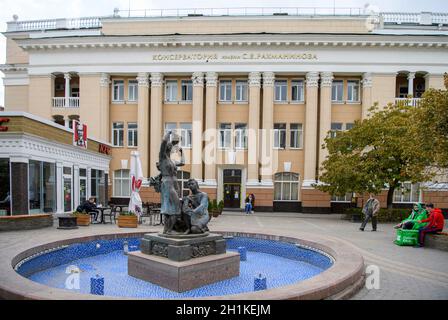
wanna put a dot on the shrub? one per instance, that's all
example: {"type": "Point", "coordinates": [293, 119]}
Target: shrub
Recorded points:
{"type": "Point", "coordinates": [221, 205]}
{"type": "Point", "coordinates": [384, 215]}
{"type": "Point", "coordinates": [127, 213]}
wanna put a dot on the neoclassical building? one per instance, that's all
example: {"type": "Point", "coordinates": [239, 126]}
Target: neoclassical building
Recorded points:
{"type": "Point", "coordinates": [251, 96]}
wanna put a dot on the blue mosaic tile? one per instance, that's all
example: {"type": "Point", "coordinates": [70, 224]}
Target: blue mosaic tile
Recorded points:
{"type": "Point", "coordinates": [282, 264]}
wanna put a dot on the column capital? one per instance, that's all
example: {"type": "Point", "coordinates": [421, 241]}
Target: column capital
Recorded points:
{"type": "Point", "coordinates": [104, 80]}
{"type": "Point", "coordinates": [156, 79]}
{"type": "Point", "coordinates": [143, 80]}
{"type": "Point", "coordinates": [367, 80]}
{"type": "Point", "coordinates": [212, 79]}
{"type": "Point", "coordinates": [268, 79]}
{"type": "Point", "coordinates": [411, 75]}
{"type": "Point", "coordinates": [312, 79]}
{"type": "Point", "coordinates": [67, 76]}
{"type": "Point", "coordinates": [254, 79]}
{"type": "Point", "coordinates": [198, 79]}
{"type": "Point", "coordinates": [326, 79]}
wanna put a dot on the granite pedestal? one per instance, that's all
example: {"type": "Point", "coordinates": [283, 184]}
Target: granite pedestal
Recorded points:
{"type": "Point", "coordinates": [183, 262]}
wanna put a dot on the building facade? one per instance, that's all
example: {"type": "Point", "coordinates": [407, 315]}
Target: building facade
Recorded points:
{"type": "Point", "coordinates": [251, 96]}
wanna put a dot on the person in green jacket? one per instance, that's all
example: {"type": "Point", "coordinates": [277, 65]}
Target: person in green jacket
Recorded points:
{"type": "Point", "coordinates": [411, 223]}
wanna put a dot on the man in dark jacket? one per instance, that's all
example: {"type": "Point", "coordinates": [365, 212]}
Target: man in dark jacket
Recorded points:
{"type": "Point", "coordinates": [89, 206]}
{"type": "Point", "coordinates": [435, 223]}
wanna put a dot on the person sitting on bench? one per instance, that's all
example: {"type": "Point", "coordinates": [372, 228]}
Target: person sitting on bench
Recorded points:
{"type": "Point", "coordinates": [435, 225]}
{"type": "Point", "coordinates": [411, 223]}
{"type": "Point", "coordinates": [89, 206]}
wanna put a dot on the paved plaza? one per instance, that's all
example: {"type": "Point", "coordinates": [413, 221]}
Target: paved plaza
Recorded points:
{"type": "Point", "coordinates": [405, 272]}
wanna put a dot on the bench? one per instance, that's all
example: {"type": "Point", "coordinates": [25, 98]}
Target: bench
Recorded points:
{"type": "Point", "coordinates": [437, 241]}
{"type": "Point", "coordinates": [26, 222]}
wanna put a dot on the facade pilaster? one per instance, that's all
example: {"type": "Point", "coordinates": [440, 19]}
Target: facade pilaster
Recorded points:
{"type": "Point", "coordinates": [143, 121]}
{"type": "Point", "coordinates": [197, 116]}
{"type": "Point", "coordinates": [366, 94]}
{"type": "Point", "coordinates": [325, 113]}
{"type": "Point", "coordinates": [267, 152]}
{"type": "Point", "coordinates": [156, 121]}
{"type": "Point", "coordinates": [253, 142]}
{"type": "Point", "coordinates": [210, 128]}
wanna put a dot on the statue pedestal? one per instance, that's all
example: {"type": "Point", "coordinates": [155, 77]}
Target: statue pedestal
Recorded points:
{"type": "Point", "coordinates": [183, 262]}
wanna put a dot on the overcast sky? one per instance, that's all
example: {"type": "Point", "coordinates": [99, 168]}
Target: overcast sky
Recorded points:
{"type": "Point", "coordinates": [47, 9]}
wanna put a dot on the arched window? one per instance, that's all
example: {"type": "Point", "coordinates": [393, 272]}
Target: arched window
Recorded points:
{"type": "Point", "coordinates": [122, 183]}
{"type": "Point", "coordinates": [286, 186]}
{"type": "Point", "coordinates": [182, 178]}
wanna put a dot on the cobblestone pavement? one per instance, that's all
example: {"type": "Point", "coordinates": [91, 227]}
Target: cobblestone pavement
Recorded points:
{"type": "Point", "coordinates": [405, 272]}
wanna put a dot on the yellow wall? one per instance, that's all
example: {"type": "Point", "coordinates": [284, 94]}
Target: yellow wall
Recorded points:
{"type": "Point", "coordinates": [89, 99]}
{"type": "Point", "coordinates": [16, 98]}
{"type": "Point", "coordinates": [14, 54]}
{"type": "Point", "coordinates": [383, 89]}
{"type": "Point", "coordinates": [234, 25]}
{"type": "Point", "coordinates": [41, 90]}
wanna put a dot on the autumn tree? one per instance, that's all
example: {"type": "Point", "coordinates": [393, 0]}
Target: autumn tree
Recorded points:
{"type": "Point", "coordinates": [376, 153]}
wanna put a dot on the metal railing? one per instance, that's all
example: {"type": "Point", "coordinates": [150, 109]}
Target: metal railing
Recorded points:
{"type": "Point", "coordinates": [61, 102]}
{"type": "Point", "coordinates": [414, 18]}
{"type": "Point", "coordinates": [410, 102]}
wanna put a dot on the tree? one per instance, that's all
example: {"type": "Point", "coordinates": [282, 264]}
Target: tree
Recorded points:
{"type": "Point", "coordinates": [430, 126]}
{"type": "Point", "coordinates": [376, 153]}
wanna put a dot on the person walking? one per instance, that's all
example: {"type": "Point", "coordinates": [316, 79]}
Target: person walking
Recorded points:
{"type": "Point", "coordinates": [252, 202]}
{"type": "Point", "coordinates": [248, 205]}
{"type": "Point", "coordinates": [370, 211]}
{"type": "Point", "coordinates": [435, 224]}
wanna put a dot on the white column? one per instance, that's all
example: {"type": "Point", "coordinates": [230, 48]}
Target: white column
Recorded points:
{"type": "Point", "coordinates": [105, 133]}
{"type": "Point", "coordinates": [312, 83]}
{"type": "Point", "coordinates": [254, 125]}
{"type": "Point", "coordinates": [59, 188]}
{"type": "Point", "coordinates": [366, 94]}
{"type": "Point", "coordinates": [156, 122]}
{"type": "Point", "coordinates": [411, 77]}
{"type": "Point", "coordinates": [197, 116]}
{"type": "Point", "coordinates": [210, 129]}
{"type": "Point", "coordinates": [267, 144]}
{"type": "Point", "coordinates": [325, 113]}
{"type": "Point", "coordinates": [75, 187]}
{"type": "Point", "coordinates": [143, 121]}
{"type": "Point", "coordinates": [67, 78]}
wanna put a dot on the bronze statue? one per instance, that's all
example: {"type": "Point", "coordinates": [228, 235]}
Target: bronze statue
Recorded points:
{"type": "Point", "coordinates": [190, 216]}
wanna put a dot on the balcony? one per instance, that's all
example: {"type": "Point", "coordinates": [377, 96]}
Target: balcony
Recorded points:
{"type": "Point", "coordinates": [61, 102]}
{"type": "Point", "coordinates": [411, 102]}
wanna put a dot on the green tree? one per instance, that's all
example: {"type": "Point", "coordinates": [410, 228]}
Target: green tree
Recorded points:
{"type": "Point", "coordinates": [376, 153]}
{"type": "Point", "coordinates": [430, 129]}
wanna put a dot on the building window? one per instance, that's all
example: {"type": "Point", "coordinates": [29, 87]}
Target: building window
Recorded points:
{"type": "Point", "coordinates": [225, 132]}
{"type": "Point", "coordinates": [42, 187]}
{"type": "Point", "coordinates": [337, 91]}
{"type": "Point", "coordinates": [297, 90]}
{"type": "Point", "coordinates": [182, 179]}
{"type": "Point", "coordinates": [170, 126]}
{"type": "Point", "coordinates": [117, 134]}
{"type": "Point", "coordinates": [132, 90]}
{"type": "Point", "coordinates": [407, 193]}
{"type": "Point", "coordinates": [279, 135]}
{"type": "Point", "coordinates": [5, 196]}
{"type": "Point", "coordinates": [82, 185]}
{"type": "Point", "coordinates": [335, 127]}
{"type": "Point", "coordinates": [286, 186]}
{"type": "Point", "coordinates": [345, 198]}
{"type": "Point", "coordinates": [225, 90]}
{"type": "Point", "coordinates": [349, 126]}
{"type": "Point", "coordinates": [185, 135]}
{"type": "Point", "coordinates": [67, 180]}
{"type": "Point", "coordinates": [171, 90]}
{"type": "Point", "coordinates": [118, 91]}
{"type": "Point", "coordinates": [281, 88]}
{"type": "Point", "coordinates": [296, 136]}
{"type": "Point", "coordinates": [353, 90]}
{"type": "Point", "coordinates": [97, 185]}
{"type": "Point", "coordinates": [241, 90]}
{"type": "Point", "coordinates": [122, 183]}
{"type": "Point", "coordinates": [132, 134]}
{"type": "Point", "coordinates": [187, 90]}
{"type": "Point", "coordinates": [240, 136]}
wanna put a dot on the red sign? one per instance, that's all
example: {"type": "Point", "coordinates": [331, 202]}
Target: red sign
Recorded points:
{"type": "Point", "coordinates": [104, 149]}
{"type": "Point", "coordinates": [3, 128]}
{"type": "Point", "coordinates": [79, 134]}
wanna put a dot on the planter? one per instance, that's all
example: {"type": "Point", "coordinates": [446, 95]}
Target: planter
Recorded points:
{"type": "Point", "coordinates": [127, 221]}
{"type": "Point", "coordinates": [82, 219]}
{"type": "Point", "coordinates": [215, 214]}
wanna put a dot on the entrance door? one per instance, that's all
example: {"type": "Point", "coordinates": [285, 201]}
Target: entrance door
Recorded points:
{"type": "Point", "coordinates": [232, 188]}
